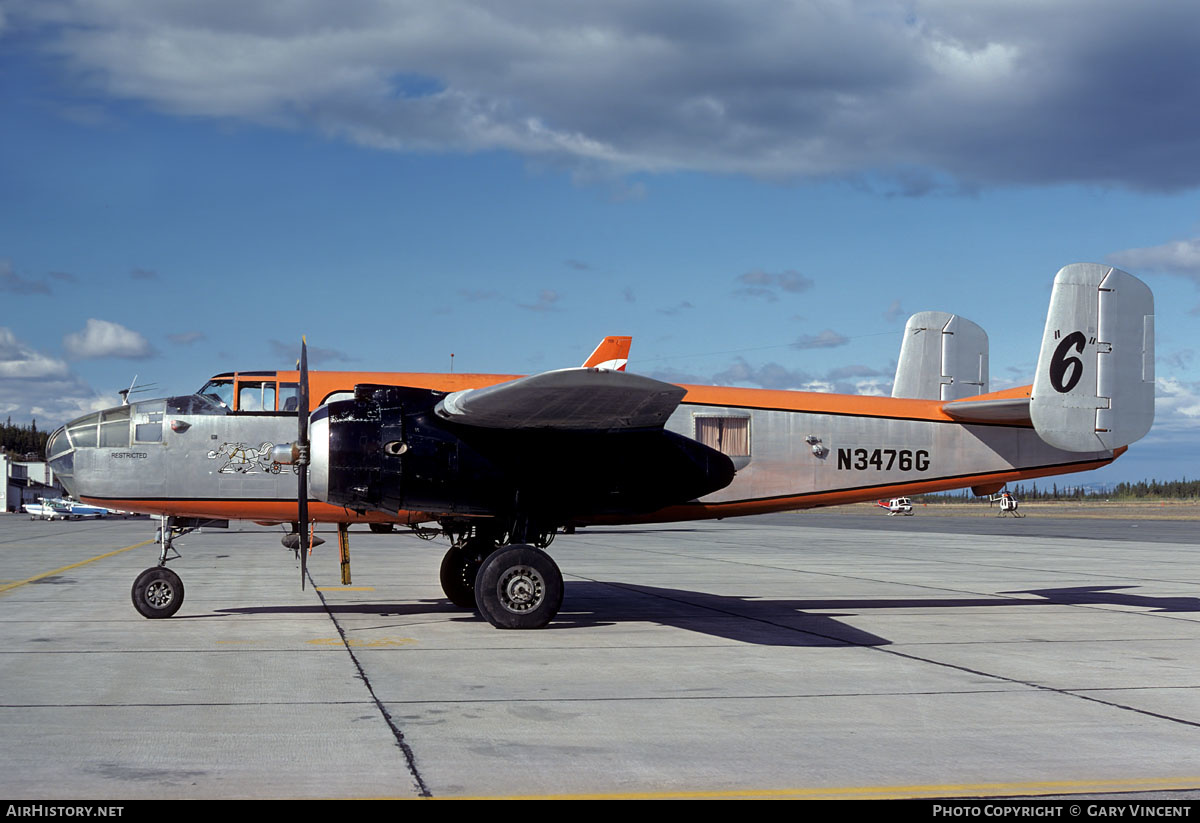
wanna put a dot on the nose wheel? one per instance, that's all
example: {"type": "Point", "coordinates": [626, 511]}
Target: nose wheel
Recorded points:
{"type": "Point", "coordinates": [157, 592]}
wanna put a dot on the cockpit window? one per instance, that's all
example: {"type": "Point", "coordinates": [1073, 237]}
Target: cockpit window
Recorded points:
{"type": "Point", "coordinates": [220, 391]}
{"type": "Point", "coordinates": [258, 395]}
{"type": "Point", "coordinates": [196, 404]}
{"type": "Point", "coordinates": [289, 400]}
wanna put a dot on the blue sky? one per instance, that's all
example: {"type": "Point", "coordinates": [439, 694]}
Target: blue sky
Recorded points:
{"type": "Point", "coordinates": [759, 192]}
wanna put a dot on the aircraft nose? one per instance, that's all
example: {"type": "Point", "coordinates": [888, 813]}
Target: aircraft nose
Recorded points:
{"type": "Point", "coordinates": [61, 457]}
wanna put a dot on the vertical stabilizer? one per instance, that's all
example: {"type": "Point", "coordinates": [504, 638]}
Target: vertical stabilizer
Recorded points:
{"type": "Point", "coordinates": [1094, 387]}
{"type": "Point", "coordinates": [611, 354]}
{"type": "Point", "coordinates": [943, 357]}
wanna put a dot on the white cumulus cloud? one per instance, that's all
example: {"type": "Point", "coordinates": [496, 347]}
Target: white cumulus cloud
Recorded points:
{"type": "Point", "coordinates": [38, 386]}
{"type": "Point", "coordinates": [18, 360]}
{"type": "Point", "coordinates": [1180, 257]}
{"type": "Point", "coordinates": [103, 338]}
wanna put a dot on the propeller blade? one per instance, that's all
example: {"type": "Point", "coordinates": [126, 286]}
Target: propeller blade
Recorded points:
{"type": "Point", "coordinates": [302, 468]}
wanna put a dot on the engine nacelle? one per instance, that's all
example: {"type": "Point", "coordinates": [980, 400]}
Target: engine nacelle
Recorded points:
{"type": "Point", "coordinates": [386, 450]}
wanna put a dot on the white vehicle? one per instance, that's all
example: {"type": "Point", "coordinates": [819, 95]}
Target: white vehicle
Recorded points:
{"type": "Point", "coordinates": [897, 505]}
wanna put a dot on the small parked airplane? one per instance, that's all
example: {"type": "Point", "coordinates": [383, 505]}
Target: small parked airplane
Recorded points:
{"type": "Point", "coordinates": [500, 463]}
{"type": "Point", "coordinates": [56, 508]}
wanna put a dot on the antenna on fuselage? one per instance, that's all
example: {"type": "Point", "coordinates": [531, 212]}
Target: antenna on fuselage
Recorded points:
{"type": "Point", "coordinates": [144, 387]}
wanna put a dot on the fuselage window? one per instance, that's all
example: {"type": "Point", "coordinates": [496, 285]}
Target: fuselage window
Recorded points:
{"type": "Point", "coordinates": [728, 435]}
{"type": "Point", "coordinates": [147, 422]}
{"type": "Point", "coordinates": [114, 428]}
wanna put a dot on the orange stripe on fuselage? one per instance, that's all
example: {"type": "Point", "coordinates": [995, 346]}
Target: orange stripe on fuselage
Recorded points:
{"type": "Point", "coordinates": [812, 500]}
{"type": "Point", "coordinates": [841, 404]}
{"type": "Point", "coordinates": [265, 511]}
{"type": "Point", "coordinates": [324, 384]}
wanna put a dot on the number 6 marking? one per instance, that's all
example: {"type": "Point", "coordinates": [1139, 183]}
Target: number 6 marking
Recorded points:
{"type": "Point", "coordinates": [1060, 362]}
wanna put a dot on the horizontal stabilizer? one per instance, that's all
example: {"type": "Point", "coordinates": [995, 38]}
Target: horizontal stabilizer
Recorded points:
{"type": "Point", "coordinates": [568, 399]}
{"type": "Point", "coordinates": [1094, 387]}
{"type": "Point", "coordinates": [943, 357]}
{"type": "Point", "coordinates": [1010, 411]}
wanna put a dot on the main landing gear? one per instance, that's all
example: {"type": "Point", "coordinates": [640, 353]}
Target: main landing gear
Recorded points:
{"type": "Point", "coordinates": [513, 585]}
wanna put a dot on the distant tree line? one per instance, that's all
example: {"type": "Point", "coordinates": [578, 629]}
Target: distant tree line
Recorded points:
{"type": "Point", "coordinates": [23, 441]}
{"type": "Point", "coordinates": [1143, 490]}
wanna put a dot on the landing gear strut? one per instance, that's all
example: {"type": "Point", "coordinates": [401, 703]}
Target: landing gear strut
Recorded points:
{"type": "Point", "coordinates": [158, 591]}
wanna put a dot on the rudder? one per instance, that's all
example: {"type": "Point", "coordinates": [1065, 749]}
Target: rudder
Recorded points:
{"type": "Point", "coordinates": [943, 357]}
{"type": "Point", "coordinates": [1094, 388]}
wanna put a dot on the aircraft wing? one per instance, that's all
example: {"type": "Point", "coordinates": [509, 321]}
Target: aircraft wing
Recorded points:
{"type": "Point", "coordinates": [567, 399]}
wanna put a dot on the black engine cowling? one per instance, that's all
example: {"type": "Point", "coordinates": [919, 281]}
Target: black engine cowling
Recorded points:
{"type": "Point", "coordinates": [386, 450]}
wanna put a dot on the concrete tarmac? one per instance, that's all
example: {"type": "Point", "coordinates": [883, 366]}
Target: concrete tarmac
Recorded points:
{"type": "Point", "coordinates": [800, 655]}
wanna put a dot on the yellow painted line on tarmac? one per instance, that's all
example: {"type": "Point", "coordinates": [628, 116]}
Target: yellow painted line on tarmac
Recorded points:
{"type": "Point", "coordinates": [345, 588]}
{"type": "Point", "coordinates": [960, 790]}
{"type": "Point", "coordinates": [7, 587]}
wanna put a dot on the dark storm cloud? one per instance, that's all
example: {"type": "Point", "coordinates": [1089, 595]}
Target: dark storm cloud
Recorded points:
{"type": "Point", "coordinates": [916, 97]}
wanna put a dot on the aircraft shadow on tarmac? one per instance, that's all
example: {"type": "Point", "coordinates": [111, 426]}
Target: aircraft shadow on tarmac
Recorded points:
{"type": "Point", "coordinates": [593, 604]}
{"type": "Point", "coordinates": [1109, 596]}
{"type": "Point", "coordinates": [760, 621]}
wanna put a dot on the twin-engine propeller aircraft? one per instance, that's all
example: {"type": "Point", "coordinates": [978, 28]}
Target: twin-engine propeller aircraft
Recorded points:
{"type": "Point", "coordinates": [501, 463]}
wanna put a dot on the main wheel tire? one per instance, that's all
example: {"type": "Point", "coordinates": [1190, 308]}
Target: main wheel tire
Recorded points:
{"type": "Point", "coordinates": [460, 567]}
{"type": "Point", "coordinates": [519, 587]}
{"type": "Point", "coordinates": [157, 592]}
{"type": "Point", "coordinates": [380, 528]}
